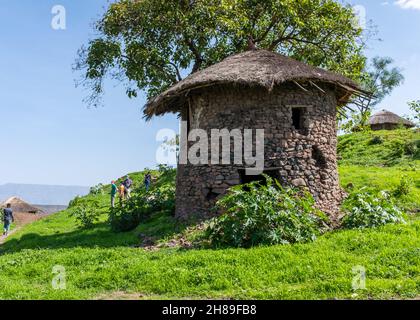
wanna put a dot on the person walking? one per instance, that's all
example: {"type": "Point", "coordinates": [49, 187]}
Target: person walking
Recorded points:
{"type": "Point", "coordinates": [8, 218]}
{"type": "Point", "coordinates": [147, 180]}
{"type": "Point", "coordinates": [127, 184]}
{"type": "Point", "coordinates": [114, 191]}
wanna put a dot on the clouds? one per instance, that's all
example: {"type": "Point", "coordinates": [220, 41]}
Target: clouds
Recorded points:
{"type": "Point", "coordinates": [408, 4]}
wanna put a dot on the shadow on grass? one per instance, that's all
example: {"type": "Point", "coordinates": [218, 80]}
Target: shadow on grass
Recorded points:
{"type": "Point", "coordinates": [101, 236]}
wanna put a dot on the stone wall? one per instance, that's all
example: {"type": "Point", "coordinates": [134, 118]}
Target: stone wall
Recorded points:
{"type": "Point", "coordinates": [303, 158]}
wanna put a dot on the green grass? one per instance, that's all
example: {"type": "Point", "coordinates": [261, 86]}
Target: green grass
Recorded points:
{"type": "Point", "coordinates": [319, 270]}
{"type": "Point", "coordinates": [380, 148]}
{"type": "Point", "coordinates": [384, 178]}
{"type": "Point", "coordinates": [99, 263]}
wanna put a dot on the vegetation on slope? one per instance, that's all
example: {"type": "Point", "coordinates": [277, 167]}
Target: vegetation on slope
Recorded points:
{"type": "Point", "coordinates": [380, 148]}
{"type": "Point", "coordinates": [99, 262]}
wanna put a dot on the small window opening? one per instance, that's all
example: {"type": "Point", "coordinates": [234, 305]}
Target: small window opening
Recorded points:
{"type": "Point", "coordinates": [318, 156]}
{"type": "Point", "coordinates": [297, 118]}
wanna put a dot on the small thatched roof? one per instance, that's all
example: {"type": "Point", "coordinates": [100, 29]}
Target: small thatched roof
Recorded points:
{"type": "Point", "coordinates": [388, 117]}
{"type": "Point", "coordinates": [253, 68]}
{"type": "Point", "coordinates": [18, 205]}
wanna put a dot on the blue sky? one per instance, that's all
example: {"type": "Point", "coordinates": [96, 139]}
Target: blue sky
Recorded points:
{"type": "Point", "coordinates": [49, 136]}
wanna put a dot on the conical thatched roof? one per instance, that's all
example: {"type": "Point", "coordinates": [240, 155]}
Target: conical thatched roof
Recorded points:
{"type": "Point", "coordinates": [253, 68]}
{"type": "Point", "coordinates": [388, 117]}
{"type": "Point", "coordinates": [18, 205]}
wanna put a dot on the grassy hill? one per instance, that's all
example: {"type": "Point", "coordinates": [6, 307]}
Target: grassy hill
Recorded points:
{"type": "Point", "coordinates": [102, 264]}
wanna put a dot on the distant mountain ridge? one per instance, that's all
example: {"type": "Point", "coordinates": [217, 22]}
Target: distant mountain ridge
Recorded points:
{"type": "Point", "coordinates": [42, 194]}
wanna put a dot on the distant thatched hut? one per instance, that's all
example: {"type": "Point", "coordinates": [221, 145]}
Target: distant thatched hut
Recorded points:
{"type": "Point", "coordinates": [294, 103]}
{"type": "Point", "coordinates": [387, 120]}
{"type": "Point", "coordinates": [20, 206]}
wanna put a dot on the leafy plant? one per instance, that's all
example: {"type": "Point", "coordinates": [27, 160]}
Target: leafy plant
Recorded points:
{"type": "Point", "coordinates": [161, 197]}
{"type": "Point", "coordinates": [376, 140]}
{"type": "Point", "coordinates": [97, 190]}
{"type": "Point", "coordinates": [123, 219]}
{"type": "Point", "coordinates": [264, 214]}
{"type": "Point", "coordinates": [85, 211]}
{"type": "Point", "coordinates": [369, 209]}
{"type": "Point", "coordinates": [404, 187]}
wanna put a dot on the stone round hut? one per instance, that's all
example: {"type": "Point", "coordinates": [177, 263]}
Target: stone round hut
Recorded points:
{"type": "Point", "coordinates": [294, 103]}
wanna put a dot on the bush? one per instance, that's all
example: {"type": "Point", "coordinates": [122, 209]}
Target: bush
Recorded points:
{"type": "Point", "coordinates": [97, 190]}
{"type": "Point", "coordinates": [123, 219]}
{"type": "Point", "coordinates": [369, 209]}
{"type": "Point", "coordinates": [265, 214]}
{"type": "Point", "coordinates": [376, 140]}
{"type": "Point", "coordinates": [141, 205]}
{"type": "Point", "coordinates": [85, 211]}
{"type": "Point", "coordinates": [404, 187]}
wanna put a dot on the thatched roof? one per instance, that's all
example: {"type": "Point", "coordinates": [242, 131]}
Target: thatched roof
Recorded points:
{"type": "Point", "coordinates": [253, 68]}
{"type": "Point", "coordinates": [18, 205]}
{"type": "Point", "coordinates": [388, 117]}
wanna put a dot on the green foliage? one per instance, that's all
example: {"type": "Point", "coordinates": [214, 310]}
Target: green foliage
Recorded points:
{"type": "Point", "coordinates": [105, 265]}
{"type": "Point", "coordinates": [98, 189]}
{"type": "Point", "coordinates": [264, 214]}
{"type": "Point", "coordinates": [161, 197]}
{"type": "Point", "coordinates": [151, 44]}
{"type": "Point", "coordinates": [415, 108]}
{"type": "Point", "coordinates": [380, 79]}
{"type": "Point", "coordinates": [397, 147]}
{"type": "Point", "coordinates": [404, 187]}
{"type": "Point", "coordinates": [367, 209]}
{"type": "Point", "coordinates": [376, 140]}
{"type": "Point", "coordinates": [388, 178]}
{"type": "Point", "coordinates": [85, 211]}
{"type": "Point", "coordinates": [125, 218]}
{"type": "Point", "coordinates": [357, 122]}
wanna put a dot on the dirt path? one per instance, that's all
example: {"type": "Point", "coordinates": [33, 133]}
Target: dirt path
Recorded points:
{"type": "Point", "coordinates": [22, 219]}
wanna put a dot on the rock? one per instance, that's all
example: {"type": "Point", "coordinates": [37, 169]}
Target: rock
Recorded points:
{"type": "Point", "coordinates": [299, 182]}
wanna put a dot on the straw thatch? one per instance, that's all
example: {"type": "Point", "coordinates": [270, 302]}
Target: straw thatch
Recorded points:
{"type": "Point", "coordinates": [20, 206]}
{"type": "Point", "coordinates": [252, 68]}
{"type": "Point", "coordinates": [387, 117]}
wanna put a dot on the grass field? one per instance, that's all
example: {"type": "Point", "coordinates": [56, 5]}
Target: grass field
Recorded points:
{"type": "Point", "coordinates": [101, 264]}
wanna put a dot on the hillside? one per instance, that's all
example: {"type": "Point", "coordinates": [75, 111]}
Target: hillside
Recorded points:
{"type": "Point", "coordinates": [102, 264]}
{"type": "Point", "coordinates": [380, 148]}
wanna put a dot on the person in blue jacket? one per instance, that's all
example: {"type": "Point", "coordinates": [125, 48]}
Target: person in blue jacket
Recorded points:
{"type": "Point", "coordinates": [8, 218]}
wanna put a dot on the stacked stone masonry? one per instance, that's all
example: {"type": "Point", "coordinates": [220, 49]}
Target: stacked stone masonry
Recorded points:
{"type": "Point", "coordinates": [304, 157]}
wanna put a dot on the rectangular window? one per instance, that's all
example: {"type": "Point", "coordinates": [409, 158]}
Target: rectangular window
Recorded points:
{"type": "Point", "coordinates": [297, 118]}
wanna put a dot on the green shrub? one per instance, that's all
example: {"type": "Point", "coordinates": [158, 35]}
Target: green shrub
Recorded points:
{"type": "Point", "coordinates": [97, 190]}
{"type": "Point", "coordinates": [161, 197]}
{"type": "Point", "coordinates": [123, 219]}
{"type": "Point", "coordinates": [404, 187]}
{"type": "Point", "coordinates": [265, 214]}
{"type": "Point", "coordinates": [368, 209]}
{"type": "Point", "coordinates": [376, 140]}
{"type": "Point", "coordinates": [85, 212]}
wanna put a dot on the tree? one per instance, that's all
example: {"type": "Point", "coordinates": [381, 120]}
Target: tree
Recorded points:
{"type": "Point", "coordinates": [152, 44]}
{"type": "Point", "coordinates": [380, 79]}
{"type": "Point", "coordinates": [415, 108]}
